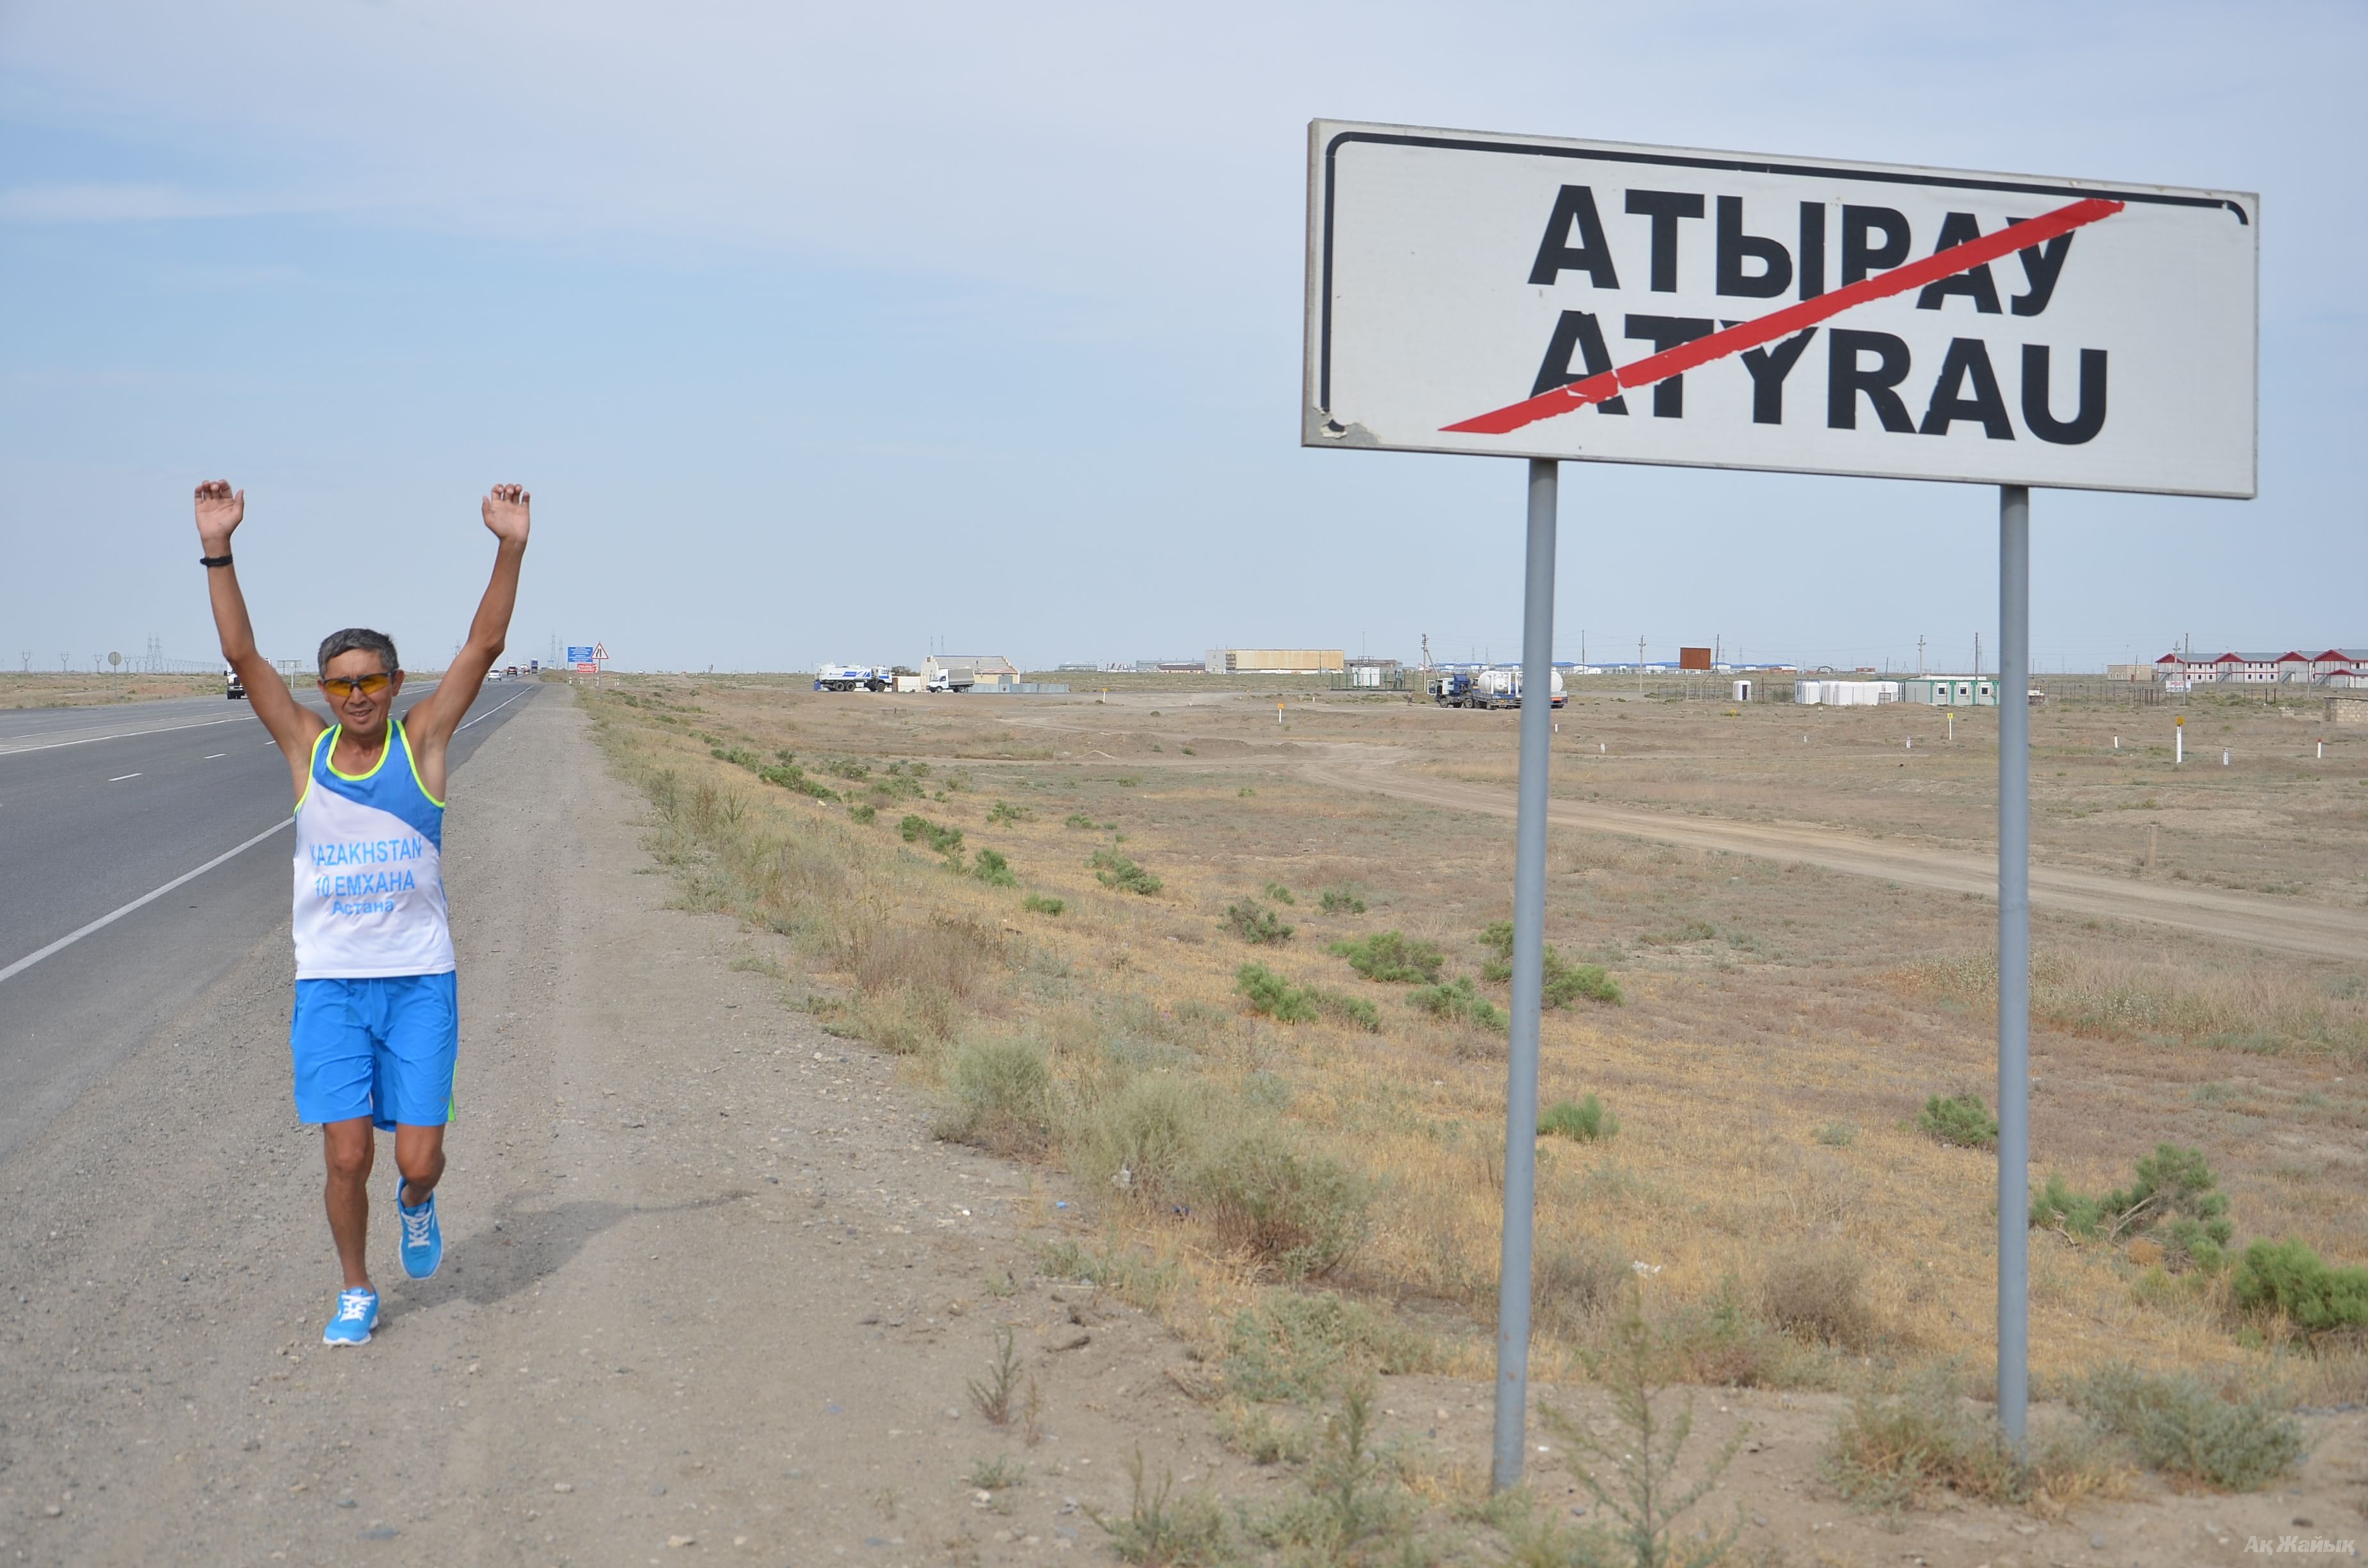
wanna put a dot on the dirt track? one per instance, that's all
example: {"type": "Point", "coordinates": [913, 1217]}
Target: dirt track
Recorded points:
{"type": "Point", "coordinates": [2289, 925]}
{"type": "Point", "coordinates": [2270, 922]}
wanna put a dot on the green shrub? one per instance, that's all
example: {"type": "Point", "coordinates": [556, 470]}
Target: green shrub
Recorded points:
{"type": "Point", "coordinates": [1341, 901]}
{"type": "Point", "coordinates": [1113, 869]}
{"type": "Point", "coordinates": [1347, 1009]}
{"type": "Point", "coordinates": [1001, 1097]}
{"type": "Point", "coordinates": [1038, 903]}
{"type": "Point", "coordinates": [1565, 982]}
{"type": "Point", "coordinates": [1583, 1120]}
{"type": "Point", "coordinates": [2175, 1188]}
{"type": "Point", "coordinates": [917, 829]}
{"type": "Point", "coordinates": [1003, 811]}
{"type": "Point", "coordinates": [846, 767]}
{"type": "Point", "coordinates": [1838, 1134]}
{"type": "Point", "coordinates": [1277, 998]}
{"type": "Point", "coordinates": [1077, 819]}
{"type": "Point", "coordinates": [1299, 1213]}
{"type": "Point", "coordinates": [2183, 1429]}
{"type": "Point", "coordinates": [1256, 923]}
{"type": "Point", "coordinates": [1269, 993]}
{"type": "Point", "coordinates": [1964, 1121]}
{"type": "Point", "coordinates": [789, 776]}
{"type": "Point", "coordinates": [2287, 1275]}
{"type": "Point", "coordinates": [1459, 1000]}
{"type": "Point", "coordinates": [991, 868]}
{"type": "Point", "coordinates": [1390, 956]}
{"type": "Point", "coordinates": [866, 812]}
{"type": "Point", "coordinates": [1692, 931]}
{"type": "Point", "coordinates": [1279, 894]}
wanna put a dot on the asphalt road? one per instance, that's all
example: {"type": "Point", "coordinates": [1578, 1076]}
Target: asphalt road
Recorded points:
{"type": "Point", "coordinates": [103, 806]}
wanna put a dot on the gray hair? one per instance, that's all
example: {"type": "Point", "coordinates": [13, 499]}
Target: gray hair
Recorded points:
{"type": "Point", "coordinates": [358, 639]}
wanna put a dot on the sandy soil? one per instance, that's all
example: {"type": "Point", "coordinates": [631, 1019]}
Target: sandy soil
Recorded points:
{"type": "Point", "coordinates": [711, 1288]}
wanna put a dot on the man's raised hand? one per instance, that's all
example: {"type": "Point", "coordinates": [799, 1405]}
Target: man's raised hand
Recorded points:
{"type": "Point", "coordinates": [220, 511]}
{"type": "Point", "coordinates": [505, 513]}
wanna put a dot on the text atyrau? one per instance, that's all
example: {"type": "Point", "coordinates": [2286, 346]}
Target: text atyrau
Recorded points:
{"type": "Point", "coordinates": [1862, 366]}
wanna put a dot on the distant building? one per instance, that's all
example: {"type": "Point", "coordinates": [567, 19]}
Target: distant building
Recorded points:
{"type": "Point", "coordinates": [2263, 668]}
{"type": "Point", "coordinates": [1276, 661]}
{"type": "Point", "coordinates": [1951, 691]}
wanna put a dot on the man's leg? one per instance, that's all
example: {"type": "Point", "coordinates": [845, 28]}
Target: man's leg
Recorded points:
{"type": "Point", "coordinates": [350, 1148]}
{"type": "Point", "coordinates": [420, 1156]}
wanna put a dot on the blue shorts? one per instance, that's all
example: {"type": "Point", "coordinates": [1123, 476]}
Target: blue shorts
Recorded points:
{"type": "Point", "coordinates": [381, 1048]}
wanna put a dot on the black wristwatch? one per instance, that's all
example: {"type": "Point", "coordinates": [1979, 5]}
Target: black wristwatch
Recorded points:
{"type": "Point", "coordinates": [213, 560]}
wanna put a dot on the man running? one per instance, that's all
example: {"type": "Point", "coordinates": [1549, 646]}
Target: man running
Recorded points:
{"type": "Point", "coordinates": [377, 1025]}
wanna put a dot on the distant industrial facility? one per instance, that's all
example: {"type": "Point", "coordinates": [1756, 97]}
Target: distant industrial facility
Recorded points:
{"type": "Point", "coordinates": [1276, 661]}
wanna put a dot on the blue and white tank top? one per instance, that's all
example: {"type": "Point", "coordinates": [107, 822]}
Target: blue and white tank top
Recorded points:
{"type": "Point", "coordinates": [370, 868]}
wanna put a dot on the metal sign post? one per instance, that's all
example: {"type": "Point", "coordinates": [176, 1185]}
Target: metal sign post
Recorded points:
{"type": "Point", "coordinates": [1548, 298]}
{"type": "Point", "coordinates": [2014, 962]}
{"type": "Point", "coordinates": [1529, 978]}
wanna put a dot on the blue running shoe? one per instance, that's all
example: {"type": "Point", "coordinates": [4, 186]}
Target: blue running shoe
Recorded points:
{"type": "Point", "coordinates": [423, 1238]}
{"type": "Point", "coordinates": [357, 1315]}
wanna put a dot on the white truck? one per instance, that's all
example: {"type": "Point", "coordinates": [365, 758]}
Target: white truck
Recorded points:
{"type": "Point", "coordinates": [853, 678]}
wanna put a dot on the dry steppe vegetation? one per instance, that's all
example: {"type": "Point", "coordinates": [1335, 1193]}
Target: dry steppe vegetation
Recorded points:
{"type": "Point", "coordinates": [1255, 1020]}
{"type": "Point", "coordinates": [71, 689]}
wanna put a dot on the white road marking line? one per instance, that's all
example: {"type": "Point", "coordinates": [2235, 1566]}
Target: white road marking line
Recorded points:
{"type": "Point", "coordinates": [490, 711]}
{"type": "Point", "coordinates": [121, 777]}
{"type": "Point", "coordinates": [211, 755]}
{"type": "Point", "coordinates": [71, 937]}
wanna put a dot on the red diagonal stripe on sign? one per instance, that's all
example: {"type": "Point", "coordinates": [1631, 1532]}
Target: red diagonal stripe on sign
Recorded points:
{"type": "Point", "coordinates": [1788, 321]}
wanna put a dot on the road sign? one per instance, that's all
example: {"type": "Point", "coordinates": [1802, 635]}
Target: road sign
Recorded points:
{"type": "Point", "coordinates": [579, 655]}
{"type": "Point", "coordinates": [1525, 297]}
{"type": "Point", "coordinates": [600, 651]}
{"type": "Point", "coordinates": [1536, 297]}
{"type": "Point", "coordinates": [586, 667]}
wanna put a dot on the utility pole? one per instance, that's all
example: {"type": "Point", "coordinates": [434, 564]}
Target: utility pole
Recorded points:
{"type": "Point", "coordinates": [1640, 666]}
{"type": "Point", "coordinates": [1920, 652]}
{"type": "Point", "coordinates": [1977, 653]}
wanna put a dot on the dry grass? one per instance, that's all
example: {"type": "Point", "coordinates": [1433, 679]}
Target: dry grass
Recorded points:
{"type": "Point", "coordinates": [69, 689]}
{"type": "Point", "coordinates": [1814, 1000]}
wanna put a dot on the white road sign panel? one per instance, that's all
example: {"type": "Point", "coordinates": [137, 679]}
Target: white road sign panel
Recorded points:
{"type": "Point", "coordinates": [1531, 297]}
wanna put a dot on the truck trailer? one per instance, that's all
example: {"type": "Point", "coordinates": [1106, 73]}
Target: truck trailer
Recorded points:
{"type": "Point", "coordinates": [1496, 687]}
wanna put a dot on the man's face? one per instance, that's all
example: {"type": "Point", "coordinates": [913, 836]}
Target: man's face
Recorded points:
{"type": "Point", "coordinates": [360, 690]}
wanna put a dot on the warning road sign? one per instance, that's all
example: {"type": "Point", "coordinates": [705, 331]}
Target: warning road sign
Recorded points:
{"type": "Point", "coordinates": [1526, 296]}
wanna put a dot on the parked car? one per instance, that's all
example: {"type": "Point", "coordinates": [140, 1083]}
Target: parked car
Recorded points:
{"type": "Point", "coordinates": [233, 688]}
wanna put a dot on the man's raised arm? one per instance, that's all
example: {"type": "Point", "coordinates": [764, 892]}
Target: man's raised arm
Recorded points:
{"type": "Point", "coordinates": [220, 511]}
{"type": "Point", "coordinates": [430, 723]}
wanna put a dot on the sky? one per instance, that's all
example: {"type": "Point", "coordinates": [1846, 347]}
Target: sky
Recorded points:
{"type": "Point", "coordinates": [831, 333]}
